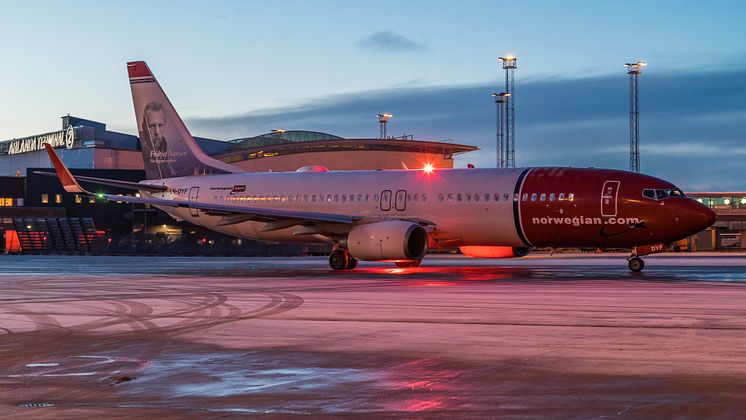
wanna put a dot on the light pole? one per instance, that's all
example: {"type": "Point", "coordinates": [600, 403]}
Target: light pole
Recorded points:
{"type": "Point", "coordinates": [634, 70]}
{"type": "Point", "coordinates": [383, 119]}
{"type": "Point", "coordinates": [510, 63]}
{"type": "Point", "coordinates": [500, 99]}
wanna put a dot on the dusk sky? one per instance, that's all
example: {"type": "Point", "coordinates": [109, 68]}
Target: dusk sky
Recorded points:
{"type": "Point", "coordinates": [241, 68]}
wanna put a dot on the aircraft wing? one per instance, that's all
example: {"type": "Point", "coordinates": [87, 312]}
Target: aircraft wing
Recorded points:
{"type": "Point", "coordinates": [275, 218]}
{"type": "Point", "coordinates": [260, 213]}
{"type": "Point", "coordinates": [113, 183]}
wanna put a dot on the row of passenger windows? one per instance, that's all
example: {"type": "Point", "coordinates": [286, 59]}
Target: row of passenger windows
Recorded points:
{"type": "Point", "coordinates": [475, 197]}
{"type": "Point", "coordinates": [363, 198]}
{"type": "Point", "coordinates": [549, 197]}
{"type": "Point", "coordinates": [314, 198]}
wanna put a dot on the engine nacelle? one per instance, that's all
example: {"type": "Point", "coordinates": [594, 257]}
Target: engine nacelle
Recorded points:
{"type": "Point", "coordinates": [390, 240]}
{"type": "Point", "coordinates": [494, 251]}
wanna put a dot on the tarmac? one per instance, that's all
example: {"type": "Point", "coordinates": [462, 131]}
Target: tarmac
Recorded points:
{"type": "Point", "coordinates": [544, 336]}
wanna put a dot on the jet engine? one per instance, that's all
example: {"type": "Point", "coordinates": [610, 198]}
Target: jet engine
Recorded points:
{"type": "Point", "coordinates": [390, 240]}
{"type": "Point", "coordinates": [494, 251]}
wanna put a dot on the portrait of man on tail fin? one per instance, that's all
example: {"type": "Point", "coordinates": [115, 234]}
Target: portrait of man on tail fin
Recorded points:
{"type": "Point", "coordinates": [153, 132]}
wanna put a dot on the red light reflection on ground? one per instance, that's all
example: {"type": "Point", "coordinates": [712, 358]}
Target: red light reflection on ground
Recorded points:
{"type": "Point", "coordinates": [423, 384]}
{"type": "Point", "coordinates": [429, 276]}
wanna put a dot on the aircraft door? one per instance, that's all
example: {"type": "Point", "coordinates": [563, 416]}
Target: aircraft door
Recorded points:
{"type": "Point", "coordinates": [400, 200]}
{"type": "Point", "coordinates": [386, 200]}
{"type": "Point", "coordinates": [609, 198]}
{"type": "Point", "coordinates": [193, 195]}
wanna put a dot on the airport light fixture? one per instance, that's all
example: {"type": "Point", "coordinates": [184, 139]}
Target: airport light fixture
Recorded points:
{"type": "Point", "coordinates": [510, 63]}
{"type": "Point", "coordinates": [500, 149]}
{"type": "Point", "coordinates": [634, 70]}
{"type": "Point", "coordinates": [383, 120]}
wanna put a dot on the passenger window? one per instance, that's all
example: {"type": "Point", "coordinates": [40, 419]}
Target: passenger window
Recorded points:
{"type": "Point", "coordinates": [283, 198]}
{"type": "Point", "coordinates": [543, 197]}
{"type": "Point", "coordinates": [468, 197]}
{"type": "Point", "coordinates": [360, 197]}
{"type": "Point", "coordinates": [321, 198]}
{"type": "Point", "coordinates": [486, 196]}
{"type": "Point", "coordinates": [336, 198]}
{"type": "Point", "coordinates": [305, 198]}
{"type": "Point", "coordinates": [561, 196]}
{"type": "Point", "coordinates": [506, 197]}
{"type": "Point", "coordinates": [533, 197]}
{"type": "Point", "coordinates": [525, 197]}
{"type": "Point", "coordinates": [367, 197]}
{"type": "Point", "coordinates": [458, 196]}
{"type": "Point", "coordinates": [352, 198]}
{"type": "Point", "coordinates": [424, 197]}
{"type": "Point", "coordinates": [551, 197]}
{"type": "Point", "coordinates": [450, 197]}
{"type": "Point", "coordinates": [416, 197]}
{"type": "Point", "coordinates": [497, 196]}
{"type": "Point", "coordinates": [570, 197]}
{"type": "Point", "coordinates": [476, 196]}
{"type": "Point", "coordinates": [344, 198]}
{"type": "Point", "coordinates": [313, 198]}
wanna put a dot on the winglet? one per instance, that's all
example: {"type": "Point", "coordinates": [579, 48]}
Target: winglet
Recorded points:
{"type": "Point", "coordinates": [68, 181]}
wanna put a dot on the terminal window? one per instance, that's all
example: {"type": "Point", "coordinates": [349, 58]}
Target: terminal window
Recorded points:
{"type": "Point", "coordinates": [58, 198]}
{"type": "Point", "coordinates": [45, 198]}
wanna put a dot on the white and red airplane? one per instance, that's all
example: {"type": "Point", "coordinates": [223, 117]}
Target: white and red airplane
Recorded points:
{"type": "Point", "coordinates": [396, 215]}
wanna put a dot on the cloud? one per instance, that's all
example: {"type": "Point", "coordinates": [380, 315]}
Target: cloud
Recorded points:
{"type": "Point", "coordinates": [390, 42]}
{"type": "Point", "coordinates": [691, 133]}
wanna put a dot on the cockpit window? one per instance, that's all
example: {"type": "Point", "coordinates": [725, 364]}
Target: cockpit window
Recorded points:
{"type": "Point", "coordinates": [661, 194]}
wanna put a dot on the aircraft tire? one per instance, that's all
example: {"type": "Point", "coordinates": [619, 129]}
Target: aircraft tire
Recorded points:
{"type": "Point", "coordinates": [636, 264]}
{"type": "Point", "coordinates": [351, 263]}
{"type": "Point", "coordinates": [338, 260]}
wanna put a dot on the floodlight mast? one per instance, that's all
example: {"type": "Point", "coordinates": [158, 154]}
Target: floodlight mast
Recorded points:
{"type": "Point", "coordinates": [634, 70]}
{"type": "Point", "coordinates": [510, 63]}
{"type": "Point", "coordinates": [500, 149]}
{"type": "Point", "coordinates": [383, 120]}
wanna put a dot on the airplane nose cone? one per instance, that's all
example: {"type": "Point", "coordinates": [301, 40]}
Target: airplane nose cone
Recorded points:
{"type": "Point", "coordinates": [702, 216]}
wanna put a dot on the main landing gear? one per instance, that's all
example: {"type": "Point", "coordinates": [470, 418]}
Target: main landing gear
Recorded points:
{"type": "Point", "coordinates": [342, 260]}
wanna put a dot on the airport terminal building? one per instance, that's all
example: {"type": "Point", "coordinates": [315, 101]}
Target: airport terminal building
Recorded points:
{"type": "Point", "coordinates": [37, 216]}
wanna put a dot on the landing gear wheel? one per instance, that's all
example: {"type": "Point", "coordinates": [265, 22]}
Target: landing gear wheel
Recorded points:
{"type": "Point", "coordinates": [351, 263]}
{"type": "Point", "coordinates": [636, 264]}
{"type": "Point", "coordinates": [406, 264]}
{"type": "Point", "coordinates": [338, 260]}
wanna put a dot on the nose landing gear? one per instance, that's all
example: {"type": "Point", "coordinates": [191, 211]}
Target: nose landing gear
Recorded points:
{"type": "Point", "coordinates": [635, 264]}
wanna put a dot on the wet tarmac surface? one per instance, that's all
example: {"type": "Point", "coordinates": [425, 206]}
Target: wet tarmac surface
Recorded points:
{"type": "Point", "coordinates": [563, 336]}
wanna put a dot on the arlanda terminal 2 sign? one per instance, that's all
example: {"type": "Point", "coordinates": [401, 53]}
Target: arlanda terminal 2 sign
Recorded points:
{"type": "Point", "coordinates": [31, 144]}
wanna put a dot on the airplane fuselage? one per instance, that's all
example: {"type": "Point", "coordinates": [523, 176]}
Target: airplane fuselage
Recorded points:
{"type": "Point", "coordinates": [521, 207]}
